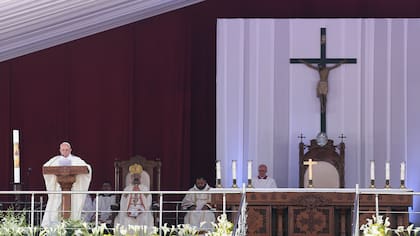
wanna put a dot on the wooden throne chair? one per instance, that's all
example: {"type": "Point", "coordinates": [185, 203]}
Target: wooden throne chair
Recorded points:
{"type": "Point", "coordinates": [152, 167]}
{"type": "Point", "coordinates": [329, 170]}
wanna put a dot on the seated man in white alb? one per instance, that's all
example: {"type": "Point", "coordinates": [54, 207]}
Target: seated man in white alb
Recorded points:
{"type": "Point", "coordinates": [135, 207]}
{"type": "Point", "coordinates": [53, 208]}
{"type": "Point", "coordinates": [88, 212]}
{"type": "Point", "coordinates": [199, 206]}
{"type": "Point", "coordinates": [262, 180]}
{"type": "Point", "coordinates": [105, 201]}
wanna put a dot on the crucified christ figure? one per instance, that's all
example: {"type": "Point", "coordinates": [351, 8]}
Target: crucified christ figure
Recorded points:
{"type": "Point", "coordinates": [322, 88]}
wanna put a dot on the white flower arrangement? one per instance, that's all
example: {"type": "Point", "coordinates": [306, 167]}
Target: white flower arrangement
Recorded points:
{"type": "Point", "coordinates": [223, 227]}
{"type": "Point", "coordinates": [376, 227]}
{"type": "Point", "coordinates": [181, 230]}
{"type": "Point", "coordinates": [401, 231]}
{"type": "Point", "coordinates": [15, 224]}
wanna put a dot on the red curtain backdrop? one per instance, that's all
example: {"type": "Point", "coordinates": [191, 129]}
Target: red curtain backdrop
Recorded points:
{"type": "Point", "coordinates": [147, 88]}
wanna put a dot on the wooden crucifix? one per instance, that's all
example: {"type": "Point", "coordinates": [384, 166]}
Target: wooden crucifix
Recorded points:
{"type": "Point", "coordinates": [323, 70]}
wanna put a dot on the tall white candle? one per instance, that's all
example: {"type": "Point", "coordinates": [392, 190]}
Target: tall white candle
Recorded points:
{"type": "Point", "coordinates": [387, 170]}
{"type": "Point", "coordinates": [16, 157]}
{"type": "Point", "coordinates": [218, 171]}
{"type": "Point", "coordinates": [249, 169]}
{"type": "Point", "coordinates": [234, 169]}
{"type": "Point", "coordinates": [402, 171]}
{"type": "Point", "coordinates": [372, 170]}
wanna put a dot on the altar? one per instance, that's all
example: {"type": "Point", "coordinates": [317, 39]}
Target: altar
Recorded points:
{"type": "Point", "coordinates": [312, 212]}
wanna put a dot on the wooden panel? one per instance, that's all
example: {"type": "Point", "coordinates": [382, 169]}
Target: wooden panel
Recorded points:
{"type": "Point", "coordinates": [64, 170]}
{"type": "Point", "coordinates": [259, 222]}
{"type": "Point", "coordinates": [311, 213]}
{"type": "Point", "coordinates": [311, 221]}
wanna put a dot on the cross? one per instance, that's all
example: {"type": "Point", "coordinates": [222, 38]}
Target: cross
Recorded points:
{"type": "Point", "coordinates": [323, 70]}
{"type": "Point", "coordinates": [310, 163]}
{"type": "Point", "coordinates": [342, 137]}
{"type": "Point", "coordinates": [301, 137]}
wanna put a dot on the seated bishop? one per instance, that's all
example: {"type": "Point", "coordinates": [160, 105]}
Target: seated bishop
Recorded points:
{"type": "Point", "coordinates": [135, 208]}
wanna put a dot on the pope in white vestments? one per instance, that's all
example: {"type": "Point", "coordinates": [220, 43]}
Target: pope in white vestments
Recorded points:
{"type": "Point", "coordinates": [135, 207]}
{"type": "Point", "coordinates": [262, 180]}
{"type": "Point", "coordinates": [199, 206]}
{"type": "Point", "coordinates": [53, 208]}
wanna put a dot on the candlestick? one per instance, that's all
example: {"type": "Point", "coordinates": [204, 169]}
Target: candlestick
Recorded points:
{"type": "Point", "coordinates": [249, 170]}
{"type": "Point", "coordinates": [402, 175]}
{"type": "Point", "coordinates": [387, 170]}
{"type": "Point", "coordinates": [372, 183]}
{"type": "Point", "coordinates": [310, 183]}
{"type": "Point", "coordinates": [234, 169]}
{"type": "Point", "coordinates": [16, 157]}
{"type": "Point", "coordinates": [218, 173]}
{"type": "Point", "coordinates": [218, 183]}
{"type": "Point", "coordinates": [372, 170]}
{"type": "Point", "coordinates": [234, 185]}
{"type": "Point", "coordinates": [387, 183]}
{"type": "Point", "coordinates": [249, 183]}
{"type": "Point", "coordinates": [249, 174]}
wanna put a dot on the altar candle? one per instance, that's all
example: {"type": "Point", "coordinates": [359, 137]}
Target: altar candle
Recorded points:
{"type": "Point", "coordinates": [387, 170]}
{"type": "Point", "coordinates": [234, 169]}
{"type": "Point", "coordinates": [218, 173]}
{"type": "Point", "coordinates": [249, 169]}
{"type": "Point", "coordinates": [16, 157]}
{"type": "Point", "coordinates": [402, 171]}
{"type": "Point", "coordinates": [372, 170]}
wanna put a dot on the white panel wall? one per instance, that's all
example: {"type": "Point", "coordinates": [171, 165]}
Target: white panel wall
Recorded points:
{"type": "Point", "coordinates": [412, 109]}
{"type": "Point", "coordinates": [230, 95]}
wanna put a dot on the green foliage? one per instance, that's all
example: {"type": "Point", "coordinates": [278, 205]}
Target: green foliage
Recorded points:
{"type": "Point", "coordinates": [14, 224]}
{"type": "Point", "coordinates": [136, 230]}
{"type": "Point", "coordinates": [401, 231]}
{"type": "Point", "coordinates": [376, 226]}
{"type": "Point", "coordinates": [223, 227]}
{"type": "Point", "coordinates": [71, 227]}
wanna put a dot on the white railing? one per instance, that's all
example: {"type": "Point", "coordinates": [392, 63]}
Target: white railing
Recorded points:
{"type": "Point", "coordinates": [240, 225]}
{"type": "Point", "coordinates": [377, 193]}
{"type": "Point", "coordinates": [33, 203]}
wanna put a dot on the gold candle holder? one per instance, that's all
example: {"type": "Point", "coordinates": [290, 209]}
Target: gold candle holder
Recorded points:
{"type": "Point", "coordinates": [219, 183]}
{"type": "Point", "coordinates": [249, 183]}
{"type": "Point", "coordinates": [387, 183]}
{"type": "Point", "coordinates": [17, 187]}
{"type": "Point", "coordinates": [234, 185]}
{"type": "Point", "coordinates": [402, 184]}
{"type": "Point", "coordinates": [310, 184]}
{"type": "Point", "coordinates": [372, 183]}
